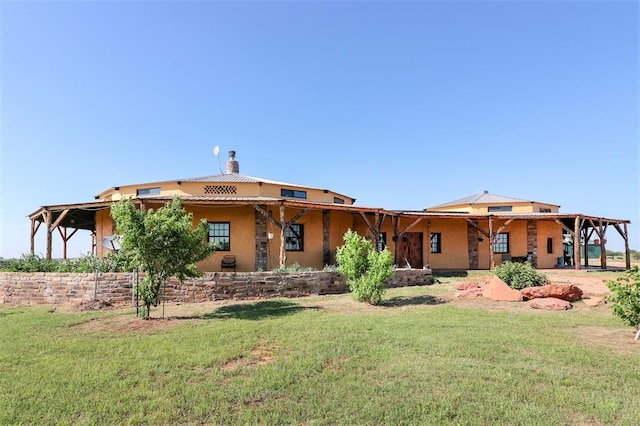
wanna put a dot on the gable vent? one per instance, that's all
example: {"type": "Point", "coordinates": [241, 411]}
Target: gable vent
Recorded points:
{"type": "Point", "coordinates": [220, 189]}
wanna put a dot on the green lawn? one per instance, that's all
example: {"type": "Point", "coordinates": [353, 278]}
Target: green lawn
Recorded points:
{"type": "Point", "coordinates": [421, 358]}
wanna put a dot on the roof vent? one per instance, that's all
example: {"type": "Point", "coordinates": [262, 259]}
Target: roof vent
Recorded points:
{"type": "Point", "coordinates": [486, 192]}
{"type": "Point", "coordinates": [232, 165]}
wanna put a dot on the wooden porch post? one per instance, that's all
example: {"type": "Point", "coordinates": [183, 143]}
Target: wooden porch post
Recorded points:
{"type": "Point", "coordinates": [626, 247]}
{"type": "Point", "coordinates": [576, 243]}
{"type": "Point", "coordinates": [283, 252]}
{"type": "Point", "coordinates": [603, 248]}
{"type": "Point", "coordinates": [47, 222]}
{"type": "Point", "coordinates": [492, 262]}
{"type": "Point", "coordinates": [34, 229]}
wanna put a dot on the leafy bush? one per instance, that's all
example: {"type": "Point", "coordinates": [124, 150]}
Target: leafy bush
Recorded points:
{"type": "Point", "coordinates": [367, 270]}
{"type": "Point", "coordinates": [293, 268]}
{"type": "Point", "coordinates": [114, 262]}
{"type": "Point", "coordinates": [625, 297]}
{"type": "Point", "coordinates": [520, 275]}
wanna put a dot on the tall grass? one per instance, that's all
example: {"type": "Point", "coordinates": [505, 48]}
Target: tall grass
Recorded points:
{"type": "Point", "coordinates": [417, 359]}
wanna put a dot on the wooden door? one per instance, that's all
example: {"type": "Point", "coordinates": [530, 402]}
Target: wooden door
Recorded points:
{"type": "Point", "coordinates": [410, 250]}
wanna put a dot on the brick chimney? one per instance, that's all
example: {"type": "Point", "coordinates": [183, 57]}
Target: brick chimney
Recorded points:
{"type": "Point", "coordinates": [232, 165]}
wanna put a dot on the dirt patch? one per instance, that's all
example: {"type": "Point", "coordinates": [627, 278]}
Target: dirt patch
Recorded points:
{"type": "Point", "coordinates": [124, 323]}
{"type": "Point", "coordinates": [617, 340]}
{"type": "Point", "coordinates": [257, 357]}
{"type": "Point", "coordinates": [93, 305]}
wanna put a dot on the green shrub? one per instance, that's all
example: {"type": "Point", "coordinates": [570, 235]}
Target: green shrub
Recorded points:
{"type": "Point", "coordinates": [293, 268]}
{"type": "Point", "coordinates": [625, 297]}
{"type": "Point", "coordinates": [114, 262]}
{"type": "Point", "coordinates": [520, 275]}
{"type": "Point", "coordinates": [366, 270]}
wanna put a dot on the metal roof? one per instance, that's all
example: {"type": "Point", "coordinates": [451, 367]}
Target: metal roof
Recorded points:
{"type": "Point", "coordinates": [485, 198]}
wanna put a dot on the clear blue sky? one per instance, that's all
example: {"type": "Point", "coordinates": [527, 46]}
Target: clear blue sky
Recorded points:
{"type": "Point", "coordinates": [402, 105]}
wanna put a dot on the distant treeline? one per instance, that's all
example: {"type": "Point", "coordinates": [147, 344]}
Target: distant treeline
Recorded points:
{"type": "Point", "coordinates": [635, 255]}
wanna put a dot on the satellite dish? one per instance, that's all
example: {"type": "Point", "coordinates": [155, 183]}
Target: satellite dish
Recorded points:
{"type": "Point", "coordinates": [111, 243]}
{"type": "Point", "coordinates": [216, 151]}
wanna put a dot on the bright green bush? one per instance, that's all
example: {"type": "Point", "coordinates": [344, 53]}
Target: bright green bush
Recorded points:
{"type": "Point", "coordinates": [114, 262]}
{"type": "Point", "coordinates": [520, 275]}
{"type": "Point", "coordinates": [366, 269]}
{"type": "Point", "coordinates": [625, 297]}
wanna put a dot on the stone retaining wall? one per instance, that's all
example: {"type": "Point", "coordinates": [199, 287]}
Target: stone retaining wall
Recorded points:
{"type": "Point", "coordinates": [36, 288]}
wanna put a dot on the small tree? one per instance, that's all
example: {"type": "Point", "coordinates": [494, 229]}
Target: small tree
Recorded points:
{"type": "Point", "coordinates": [520, 275]}
{"type": "Point", "coordinates": [366, 270]}
{"type": "Point", "coordinates": [162, 244]}
{"type": "Point", "coordinates": [626, 297]}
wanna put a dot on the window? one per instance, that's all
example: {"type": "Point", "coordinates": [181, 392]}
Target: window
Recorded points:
{"type": "Point", "coordinates": [294, 238]}
{"type": "Point", "coordinates": [549, 245]}
{"type": "Point", "coordinates": [148, 191]}
{"type": "Point", "coordinates": [293, 193]}
{"type": "Point", "coordinates": [436, 242]}
{"type": "Point", "coordinates": [382, 241]}
{"type": "Point", "coordinates": [500, 208]}
{"type": "Point", "coordinates": [501, 243]}
{"type": "Point", "coordinates": [545, 210]}
{"type": "Point", "coordinates": [338, 200]}
{"type": "Point", "coordinates": [220, 232]}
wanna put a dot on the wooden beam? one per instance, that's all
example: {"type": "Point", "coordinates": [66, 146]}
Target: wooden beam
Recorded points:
{"type": "Point", "coordinates": [626, 247]}
{"type": "Point", "coordinates": [565, 227]}
{"type": "Point", "coordinates": [576, 243]}
{"type": "Point", "coordinates": [492, 263]}
{"type": "Point", "coordinates": [625, 236]}
{"type": "Point", "coordinates": [267, 215]}
{"type": "Point", "coordinates": [47, 220]}
{"type": "Point", "coordinates": [59, 219]}
{"type": "Point", "coordinates": [283, 251]}
{"type": "Point", "coordinates": [412, 224]}
{"type": "Point", "coordinates": [35, 225]}
{"type": "Point", "coordinates": [504, 226]}
{"type": "Point", "coordinates": [296, 217]}
{"type": "Point", "coordinates": [603, 247]}
{"type": "Point", "coordinates": [475, 225]}
{"type": "Point", "coordinates": [369, 225]}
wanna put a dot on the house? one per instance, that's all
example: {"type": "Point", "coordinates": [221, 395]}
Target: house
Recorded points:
{"type": "Point", "coordinates": [266, 224]}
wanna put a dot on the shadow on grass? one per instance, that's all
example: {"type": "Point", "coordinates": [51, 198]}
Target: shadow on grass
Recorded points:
{"type": "Point", "coordinates": [257, 311]}
{"type": "Point", "coordinates": [449, 273]}
{"type": "Point", "coordinates": [411, 300]}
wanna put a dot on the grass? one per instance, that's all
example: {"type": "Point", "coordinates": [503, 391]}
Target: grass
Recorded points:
{"type": "Point", "coordinates": [420, 358]}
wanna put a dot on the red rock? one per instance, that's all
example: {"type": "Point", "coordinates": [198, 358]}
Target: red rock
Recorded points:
{"type": "Point", "coordinates": [469, 292]}
{"type": "Point", "coordinates": [467, 285]}
{"type": "Point", "coordinates": [567, 292]}
{"type": "Point", "coordinates": [593, 301]}
{"type": "Point", "coordinates": [550, 303]}
{"type": "Point", "coordinates": [496, 289]}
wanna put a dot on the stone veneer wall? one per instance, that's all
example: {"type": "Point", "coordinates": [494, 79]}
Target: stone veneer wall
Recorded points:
{"type": "Point", "coordinates": [36, 288]}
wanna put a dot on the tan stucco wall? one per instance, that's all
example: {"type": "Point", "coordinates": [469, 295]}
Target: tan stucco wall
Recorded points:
{"type": "Point", "coordinates": [524, 207]}
{"type": "Point", "coordinates": [172, 188]}
{"type": "Point", "coordinates": [549, 229]}
{"type": "Point", "coordinates": [455, 253]}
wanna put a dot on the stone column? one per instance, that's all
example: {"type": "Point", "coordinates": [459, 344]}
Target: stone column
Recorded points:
{"type": "Point", "coordinates": [532, 241]}
{"type": "Point", "coordinates": [261, 241]}
{"type": "Point", "coordinates": [472, 240]}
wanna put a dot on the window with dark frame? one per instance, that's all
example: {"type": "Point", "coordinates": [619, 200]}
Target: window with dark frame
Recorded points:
{"type": "Point", "coordinates": [148, 191]}
{"type": "Point", "coordinates": [294, 237]}
{"type": "Point", "coordinates": [382, 241]}
{"type": "Point", "coordinates": [501, 243]}
{"type": "Point", "coordinates": [500, 208]}
{"type": "Point", "coordinates": [549, 245]}
{"type": "Point", "coordinates": [293, 193]}
{"type": "Point", "coordinates": [220, 233]}
{"type": "Point", "coordinates": [436, 242]}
